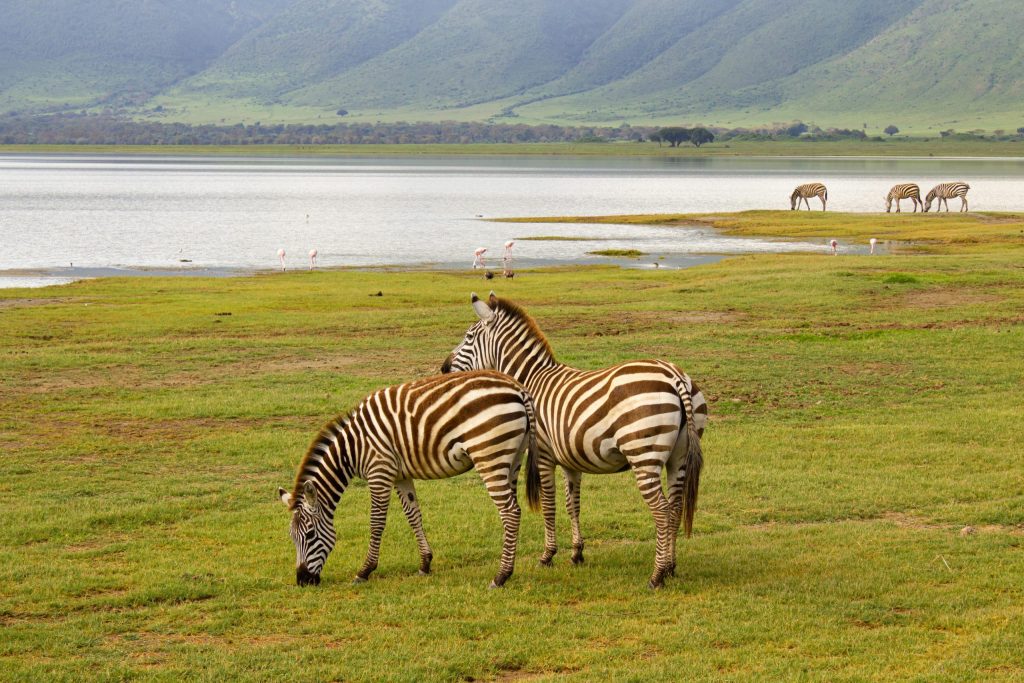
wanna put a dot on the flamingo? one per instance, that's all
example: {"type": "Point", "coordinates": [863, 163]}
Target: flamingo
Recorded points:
{"type": "Point", "coordinates": [873, 241]}
{"type": "Point", "coordinates": [312, 259]}
{"type": "Point", "coordinates": [506, 259]}
{"type": "Point", "coordinates": [280, 255]}
{"type": "Point", "coordinates": [478, 257]}
{"type": "Point", "coordinates": [835, 247]}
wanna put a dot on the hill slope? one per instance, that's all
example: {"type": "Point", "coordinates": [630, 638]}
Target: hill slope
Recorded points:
{"type": "Point", "coordinates": [922, 64]}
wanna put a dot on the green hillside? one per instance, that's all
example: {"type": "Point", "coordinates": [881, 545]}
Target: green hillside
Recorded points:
{"type": "Point", "coordinates": [924, 65]}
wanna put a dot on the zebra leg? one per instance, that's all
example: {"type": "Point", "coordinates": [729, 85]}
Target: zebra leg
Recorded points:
{"type": "Point", "coordinates": [503, 493]}
{"type": "Point", "coordinates": [898, 206]}
{"type": "Point", "coordinates": [380, 484]}
{"type": "Point", "coordinates": [675, 478]}
{"type": "Point", "coordinates": [407, 496]}
{"type": "Point", "coordinates": [546, 464]}
{"type": "Point", "coordinates": [822, 203]}
{"type": "Point", "coordinates": [572, 506]}
{"type": "Point", "coordinates": [963, 207]}
{"type": "Point", "coordinates": [648, 480]}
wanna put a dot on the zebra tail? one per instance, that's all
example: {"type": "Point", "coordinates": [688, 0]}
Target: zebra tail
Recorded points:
{"type": "Point", "coordinates": [532, 466]}
{"type": "Point", "coordinates": [694, 463]}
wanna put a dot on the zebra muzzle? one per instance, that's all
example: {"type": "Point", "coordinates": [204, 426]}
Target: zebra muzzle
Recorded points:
{"type": "Point", "coordinates": [304, 577]}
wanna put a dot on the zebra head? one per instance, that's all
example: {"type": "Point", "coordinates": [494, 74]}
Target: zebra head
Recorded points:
{"type": "Point", "coordinates": [311, 530]}
{"type": "Point", "coordinates": [477, 350]}
{"type": "Point", "coordinates": [793, 200]}
{"type": "Point", "coordinates": [929, 198]}
{"type": "Point", "coordinates": [888, 202]}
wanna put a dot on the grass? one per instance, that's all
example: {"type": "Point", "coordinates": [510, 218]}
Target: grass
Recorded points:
{"type": "Point", "coordinates": [899, 147]}
{"type": "Point", "coordinates": [865, 412]}
{"type": "Point", "coordinates": [967, 230]}
{"type": "Point", "coordinates": [629, 253]}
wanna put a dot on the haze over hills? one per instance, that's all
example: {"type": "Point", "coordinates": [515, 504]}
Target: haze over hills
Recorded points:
{"type": "Point", "coordinates": [921, 64]}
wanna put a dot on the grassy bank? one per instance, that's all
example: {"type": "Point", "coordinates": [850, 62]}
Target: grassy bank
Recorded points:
{"type": "Point", "coordinates": [933, 232]}
{"type": "Point", "coordinates": [898, 147]}
{"type": "Point", "coordinates": [861, 513]}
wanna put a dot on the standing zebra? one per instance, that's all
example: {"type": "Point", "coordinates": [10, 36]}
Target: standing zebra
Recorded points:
{"type": "Point", "coordinates": [643, 415]}
{"type": "Point", "coordinates": [943, 192]}
{"type": "Point", "coordinates": [433, 428]}
{"type": "Point", "coordinates": [905, 191]}
{"type": "Point", "coordinates": [805, 192]}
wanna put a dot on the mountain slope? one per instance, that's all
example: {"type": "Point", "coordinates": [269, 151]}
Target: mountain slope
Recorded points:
{"type": "Point", "coordinates": [924, 64]}
{"type": "Point", "coordinates": [88, 51]}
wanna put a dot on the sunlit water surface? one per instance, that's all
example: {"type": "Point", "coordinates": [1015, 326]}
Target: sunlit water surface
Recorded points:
{"type": "Point", "coordinates": [64, 217]}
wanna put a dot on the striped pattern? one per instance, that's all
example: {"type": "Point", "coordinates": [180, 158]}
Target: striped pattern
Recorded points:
{"type": "Point", "coordinates": [805, 192]}
{"type": "Point", "coordinates": [434, 428]}
{"type": "Point", "coordinates": [946, 191]}
{"type": "Point", "coordinates": [646, 416]}
{"type": "Point", "coordinates": [905, 191]}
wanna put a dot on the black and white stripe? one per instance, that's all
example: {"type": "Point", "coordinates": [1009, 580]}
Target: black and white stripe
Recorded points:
{"type": "Point", "coordinates": [433, 428]}
{"type": "Point", "coordinates": [943, 192]}
{"type": "Point", "coordinates": [643, 415]}
{"type": "Point", "coordinates": [805, 192]}
{"type": "Point", "coordinates": [904, 191]}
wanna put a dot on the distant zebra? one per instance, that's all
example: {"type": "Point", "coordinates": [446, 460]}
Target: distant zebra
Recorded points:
{"type": "Point", "coordinates": [905, 191]}
{"type": "Point", "coordinates": [943, 192]}
{"type": "Point", "coordinates": [643, 415]}
{"type": "Point", "coordinates": [433, 428]}
{"type": "Point", "coordinates": [805, 192]}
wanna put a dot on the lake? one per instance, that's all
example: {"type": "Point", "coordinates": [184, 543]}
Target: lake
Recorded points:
{"type": "Point", "coordinates": [66, 217]}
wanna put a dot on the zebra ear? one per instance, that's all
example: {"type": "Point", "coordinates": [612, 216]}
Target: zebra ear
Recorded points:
{"type": "Point", "coordinates": [493, 299]}
{"type": "Point", "coordinates": [286, 498]}
{"type": "Point", "coordinates": [309, 493]}
{"type": "Point", "coordinates": [483, 311]}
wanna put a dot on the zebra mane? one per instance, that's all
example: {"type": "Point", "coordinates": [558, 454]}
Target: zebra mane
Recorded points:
{"type": "Point", "coordinates": [516, 312]}
{"type": "Point", "coordinates": [314, 456]}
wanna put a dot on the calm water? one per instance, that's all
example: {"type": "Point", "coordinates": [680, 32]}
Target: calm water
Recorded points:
{"type": "Point", "coordinates": [184, 213]}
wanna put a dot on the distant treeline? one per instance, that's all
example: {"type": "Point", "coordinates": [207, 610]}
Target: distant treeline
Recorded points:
{"type": "Point", "coordinates": [100, 129]}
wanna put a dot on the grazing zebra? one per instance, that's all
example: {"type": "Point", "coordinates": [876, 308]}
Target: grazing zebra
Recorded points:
{"type": "Point", "coordinates": [905, 191]}
{"type": "Point", "coordinates": [643, 415]}
{"type": "Point", "coordinates": [433, 428]}
{"type": "Point", "coordinates": [943, 192]}
{"type": "Point", "coordinates": [805, 192]}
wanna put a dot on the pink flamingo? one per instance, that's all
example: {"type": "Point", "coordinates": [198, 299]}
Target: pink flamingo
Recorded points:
{"type": "Point", "coordinates": [506, 259]}
{"type": "Point", "coordinates": [478, 257]}
{"type": "Point", "coordinates": [280, 255]}
{"type": "Point", "coordinates": [835, 247]}
{"type": "Point", "coordinates": [873, 241]}
{"type": "Point", "coordinates": [312, 259]}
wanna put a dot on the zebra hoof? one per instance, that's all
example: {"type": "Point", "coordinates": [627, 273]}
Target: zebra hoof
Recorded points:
{"type": "Point", "coordinates": [655, 585]}
{"type": "Point", "coordinates": [577, 559]}
{"type": "Point", "coordinates": [424, 572]}
{"type": "Point", "coordinates": [358, 580]}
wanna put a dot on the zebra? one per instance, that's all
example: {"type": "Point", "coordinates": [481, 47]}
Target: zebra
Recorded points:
{"type": "Point", "coordinates": [943, 192]}
{"type": "Point", "coordinates": [807, 191]}
{"type": "Point", "coordinates": [644, 415]}
{"type": "Point", "coordinates": [905, 191]}
{"type": "Point", "coordinates": [433, 428]}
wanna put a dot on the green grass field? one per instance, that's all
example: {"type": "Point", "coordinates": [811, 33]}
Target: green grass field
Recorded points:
{"type": "Point", "coordinates": [861, 513]}
{"type": "Point", "coordinates": [897, 147]}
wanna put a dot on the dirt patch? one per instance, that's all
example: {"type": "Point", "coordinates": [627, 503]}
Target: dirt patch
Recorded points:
{"type": "Point", "coordinates": [946, 297]}
{"type": "Point", "coordinates": [28, 303]}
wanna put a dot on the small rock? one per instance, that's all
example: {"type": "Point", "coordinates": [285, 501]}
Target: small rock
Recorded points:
{"type": "Point", "coordinates": [967, 531]}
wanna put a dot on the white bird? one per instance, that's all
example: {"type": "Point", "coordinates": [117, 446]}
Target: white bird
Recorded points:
{"type": "Point", "coordinates": [478, 257]}
{"type": "Point", "coordinates": [312, 259]}
{"type": "Point", "coordinates": [835, 247]}
{"type": "Point", "coordinates": [280, 255]}
{"type": "Point", "coordinates": [873, 242]}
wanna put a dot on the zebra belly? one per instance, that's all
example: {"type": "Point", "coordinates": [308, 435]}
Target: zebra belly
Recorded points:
{"type": "Point", "coordinates": [436, 465]}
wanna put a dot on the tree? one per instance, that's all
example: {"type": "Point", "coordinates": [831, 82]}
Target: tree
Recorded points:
{"type": "Point", "coordinates": [342, 112]}
{"type": "Point", "coordinates": [674, 135]}
{"type": "Point", "coordinates": [654, 137]}
{"type": "Point", "coordinates": [698, 136]}
{"type": "Point", "coordinates": [1020, 131]}
{"type": "Point", "coordinates": [891, 130]}
{"type": "Point", "coordinates": [797, 129]}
